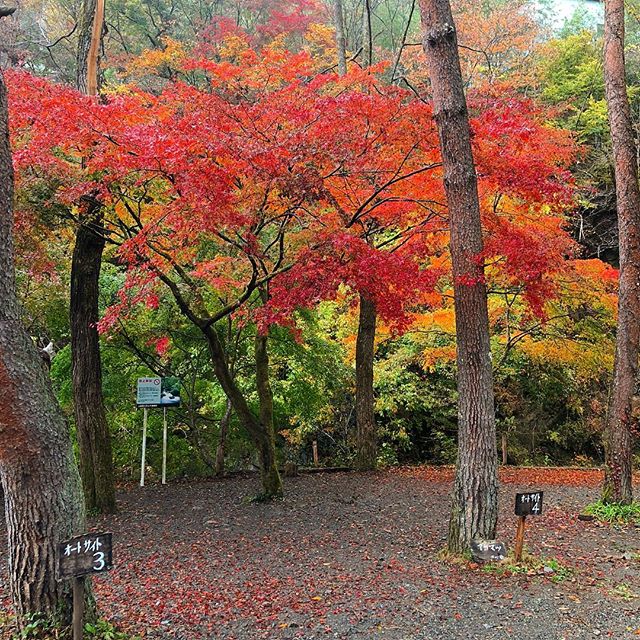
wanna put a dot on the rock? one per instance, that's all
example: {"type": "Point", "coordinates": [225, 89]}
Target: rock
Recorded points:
{"type": "Point", "coordinates": [488, 550]}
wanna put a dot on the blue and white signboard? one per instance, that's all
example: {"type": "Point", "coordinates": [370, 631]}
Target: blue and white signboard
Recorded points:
{"type": "Point", "coordinates": [158, 392]}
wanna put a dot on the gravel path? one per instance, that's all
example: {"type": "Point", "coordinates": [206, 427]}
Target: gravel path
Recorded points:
{"type": "Point", "coordinates": [356, 556]}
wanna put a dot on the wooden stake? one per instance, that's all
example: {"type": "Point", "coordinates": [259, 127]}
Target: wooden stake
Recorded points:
{"type": "Point", "coordinates": [164, 447]}
{"type": "Point", "coordinates": [315, 452]}
{"type": "Point", "coordinates": [520, 538]}
{"type": "Point", "coordinates": [78, 608]}
{"type": "Point", "coordinates": [144, 446]}
{"type": "Point", "coordinates": [504, 448]}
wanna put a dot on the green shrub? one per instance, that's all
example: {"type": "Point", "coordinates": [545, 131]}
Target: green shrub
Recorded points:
{"type": "Point", "coordinates": [615, 513]}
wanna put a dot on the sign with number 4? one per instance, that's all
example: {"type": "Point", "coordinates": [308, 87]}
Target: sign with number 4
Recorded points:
{"type": "Point", "coordinates": [84, 555]}
{"type": "Point", "coordinates": [529, 504]}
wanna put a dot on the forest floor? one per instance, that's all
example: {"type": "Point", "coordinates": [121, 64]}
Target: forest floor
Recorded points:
{"type": "Point", "coordinates": [356, 556]}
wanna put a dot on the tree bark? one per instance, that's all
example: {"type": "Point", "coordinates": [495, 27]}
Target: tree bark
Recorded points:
{"type": "Point", "coordinates": [341, 43]}
{"type": "Point", "coordinates": [367, 450]}
{"type": "Point", "coordinates": [260, 429]}
{"type": "Point", "coordinates": [619, 439]}
{"type": "Point", "coordinates": [474, 505]}
{"type": "Point", "coordinates": [366, 428]}
{"type": "Point", "coordinates": [267, 446]}
{"type": "Point", "coordinates": [94, 439]}
{"type": "Point", "coordinates": [42, 493]}
{"type": "Point", "coordinates": [90, 29]}
{"type": "Point", "coordinates": [367, 35]}
{"type": "Point", "coordinates": [221, 449]}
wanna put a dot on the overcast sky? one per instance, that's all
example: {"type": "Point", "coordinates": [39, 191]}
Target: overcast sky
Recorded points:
{"type": "Point", "coordinates": [561, 10]}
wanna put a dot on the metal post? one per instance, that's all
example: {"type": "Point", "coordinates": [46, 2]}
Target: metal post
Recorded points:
{"type": "Point", "coordinates": [78, 608]}
{"type": "Point", "coordinates": [164, 447]}
{"type": "Point", "coordinates": [144, 446]}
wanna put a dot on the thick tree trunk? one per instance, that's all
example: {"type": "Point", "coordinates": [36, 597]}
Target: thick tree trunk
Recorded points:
{"type": "Point", "coordinates": [619, 440]}
{"type": "Point", "coordinates": [94, 439]}
{"type": "Point", "coordinates": [260, 429]}
{"type": "Point", "coordinates": [341, 43]}
{"type": "Point", "coordinates": [222, 440]}
{"type": "Point", "coordinates": [43, 499]}
{"type": "Point", "coordinates": [474, 506]}
{"type": "Point", "coordinates": [367, 449]}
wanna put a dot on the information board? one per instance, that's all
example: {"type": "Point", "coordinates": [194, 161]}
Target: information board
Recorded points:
{"type": "Point", "coordinates": [158, 392]}
{"type": "Point", "coordinates": [149, 392]}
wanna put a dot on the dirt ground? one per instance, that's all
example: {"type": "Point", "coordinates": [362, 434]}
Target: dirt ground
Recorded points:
{"type": "Point", "coordinates": [355, 556]}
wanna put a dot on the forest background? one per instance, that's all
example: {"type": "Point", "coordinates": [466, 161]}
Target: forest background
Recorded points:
{"type": "Point", "coordinates": [171, 71]}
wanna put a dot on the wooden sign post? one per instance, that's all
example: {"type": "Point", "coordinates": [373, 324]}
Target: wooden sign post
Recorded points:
{"type": "Point", "coordinates": [527, 504]}
{"type": "Point", "coordinates": [79, 557]}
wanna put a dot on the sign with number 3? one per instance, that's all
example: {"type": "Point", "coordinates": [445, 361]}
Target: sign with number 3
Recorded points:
{"type": "Point", "coordinates": [84, 555]}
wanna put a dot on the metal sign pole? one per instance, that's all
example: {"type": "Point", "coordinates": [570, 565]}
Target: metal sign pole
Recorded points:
{"type": "Point", "coordinates": [144, 446]}
{"type": "Point", "coordinates": [164, 447]}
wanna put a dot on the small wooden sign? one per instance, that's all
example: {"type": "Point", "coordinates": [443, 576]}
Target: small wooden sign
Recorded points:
{"type": "Point", "coordinates": [488, 550]}
{"type": "Point", "coordinates": [529, 504]}
{"type": "Point", "coordinates": [84, 555]}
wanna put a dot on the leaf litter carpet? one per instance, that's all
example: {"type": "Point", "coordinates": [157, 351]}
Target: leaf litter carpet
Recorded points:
{"type": "Point", "coordinates": [352, 555]}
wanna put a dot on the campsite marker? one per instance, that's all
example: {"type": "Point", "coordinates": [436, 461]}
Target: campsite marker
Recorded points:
{"type": "Point", "coordinates": [527, 504]}
{"type": "Point", "coordinates": [79, 557]}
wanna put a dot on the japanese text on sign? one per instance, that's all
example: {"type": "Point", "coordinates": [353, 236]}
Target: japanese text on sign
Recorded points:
{"type": "Point", "coordinates": [149, 391]}
{"type": "Point", "coordinates": [488, 550]}
{"type": "Point", "coordinates": [158, 392]}
{"type": "Point", "coordinates": [84, 555]}
{"type": "Point", "coordinates": [529, 504]}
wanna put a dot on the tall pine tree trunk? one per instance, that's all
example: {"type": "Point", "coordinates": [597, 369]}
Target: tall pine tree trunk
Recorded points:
{"type": "Point", "coordinates": [367, 450]}
{"type": "Point", "coordinates": [90, 29]}
{"type": "Point", "coordinates": [367, 34]}
{"type": "Point", "coordinates": [341, 43]}
{"type": "Point", "coordinates": [94, 441]}
{"type": "Point", "coordinates": [475, 498]}
{"type": "Point", "coordinates": [42, 494]}
{"type": "Point", "coordinates": [619, 441]}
